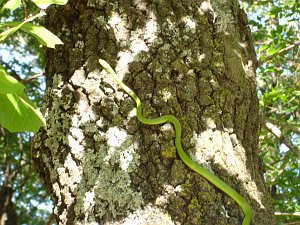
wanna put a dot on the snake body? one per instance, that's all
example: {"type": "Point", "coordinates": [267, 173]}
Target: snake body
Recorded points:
{"type": "Point", "coordinates": [184, 157]}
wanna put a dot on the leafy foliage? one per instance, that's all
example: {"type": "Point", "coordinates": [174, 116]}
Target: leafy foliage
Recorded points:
{"type": "Point", "coordinates": [18, 112]}
{"type": "Point", "coordinates": [22, 57]}
{"type": "Point", "coordinates": [275, 27]}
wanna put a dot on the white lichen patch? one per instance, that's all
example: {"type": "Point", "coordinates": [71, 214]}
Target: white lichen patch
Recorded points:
{"type": "Point", "coordinates": [109, 187]}
{"type": "Point", "coordinates": [140, 40]}
{"type": "Point", "coordinates": [77, 134]}
{"type": "Point", "coordinates": [118, 24]}
{"type": "Point", "coordinates": [62, 176]}
{"type": "Point", "coordinates": [88, 207]}
{"type": "Point", "coordinates": [201, 57]}
{"type": "Point", "coordinates": [231, 160]}
{"type": "Point", "coordinates": [126, 158]}
{"type": "Point", "coordinates": [224, 150]}
{"type": "Point", "coordinates": [205, 7]}
{"type": "Point", "coordinates": [210, 123]}
{"type": "Point", "coordinates": [122, 67]}
{"type": "Point", "coordinates": [68, 197]}
{"type": "Point", "coordinates": [151, 30]}
{"type": "Point", "coordinates": [203, 144]}
{"type": "Point", "coordinates": [138, 45]}
{"type": "Point", "coordinates": [75, 121]}
{"type": "Point", "coordinates": [213, 146]}
{"type": "Point", "coordinates": [76, 148]}
{"type": "Point", "coordinates": [82, 106]}
{"type": "Point", "coordinates": [166, 95]}
{"type": "Point", "coordinates": [190, 23]}
{"type": "Point", "coordinates": [63, 217]}
{"type": "Point", "coordinates": [149, 215]}
{"type": "Point", "coordinates": [56, 190]}
{"type": "Point", "coordinates": [121, 148]}
{"type": "Point", "coordinates": [169, 190]}
{"type": "Point", "coordinates": [124, 59]}
{"type": "Point", "coordinates": [132, 113]}
{"type": "Point", "coordinates": [97, 180]}
{"type": "Point", "coordinates": [116, 136]}
{"type": "Point", "coordinates": [100, 122]}
{"type": "Point", "coordinates": [85, 118]}
{"type": "Point", "coordinates": [74, 171]}
{"type": "Point", "coordinates": [89, 200]}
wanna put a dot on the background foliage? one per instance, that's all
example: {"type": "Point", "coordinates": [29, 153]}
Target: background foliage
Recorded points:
{"type": "Point", "coordinates": [275, 29]}
{"type": "Point", "coordinates": [21, 189]}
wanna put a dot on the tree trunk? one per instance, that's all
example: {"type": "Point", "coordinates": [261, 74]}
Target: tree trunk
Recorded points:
{"type": "Point", "coordinates": [8, 214]}
{"type": "Point", "coordinates": [191, 59]}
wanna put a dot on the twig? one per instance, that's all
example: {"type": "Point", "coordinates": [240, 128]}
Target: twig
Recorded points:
{"type": "Point", "coordinates": [12, 72]}
{"type": "Point", "coordinates": [291, 223]}
{"type": "Point", "coordinates": [51, 219]}
{"type": "Point", "coordinates": [287, 214]}
{"type": "Point", "coordinates": [28, 79]}
{"type": "Point", "coordinates": [270, 57]}
{"type": "Point", "coordinates": [25, 9]}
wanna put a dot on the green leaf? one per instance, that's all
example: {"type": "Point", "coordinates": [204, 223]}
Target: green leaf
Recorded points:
{"type": "Point", "coordinates": [11, 4]}
{"type": "Point", "coordinates": [9, 32]}
{"type": "Point", "coordinates": [264, 47]}
{"type": "Point", "coordinates": [8, 84]}
{"type": "Point", "coordinates": [17, 112]}
{"type": "Point", "coordinates": [43, 4]}
{"type": "Point", "coordinates": [44, 36]}
{"type": "Point", "coordinates": [16, 25]}
{"type": "Point", "coordinates": [272, 50]}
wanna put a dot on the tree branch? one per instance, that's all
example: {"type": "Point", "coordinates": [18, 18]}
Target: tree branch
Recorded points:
{"type": "Point", "coordinates": [270, 57]}
{"type": "Point", "coordinates": [25, 9]}
{"type": "Point", "coordinates": [285, 126]}
{"type": "Point", "coordinates": [14, 74]}
{"type": "Point", "coordinates": [277, 132]}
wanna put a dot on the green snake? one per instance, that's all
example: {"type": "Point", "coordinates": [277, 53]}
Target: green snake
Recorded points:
{"type": "Point", "coordinates": [184, 157]}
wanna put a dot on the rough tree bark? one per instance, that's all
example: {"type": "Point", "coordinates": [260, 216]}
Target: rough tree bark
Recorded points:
{"type": "Point", "coordinates": [192, 59]}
